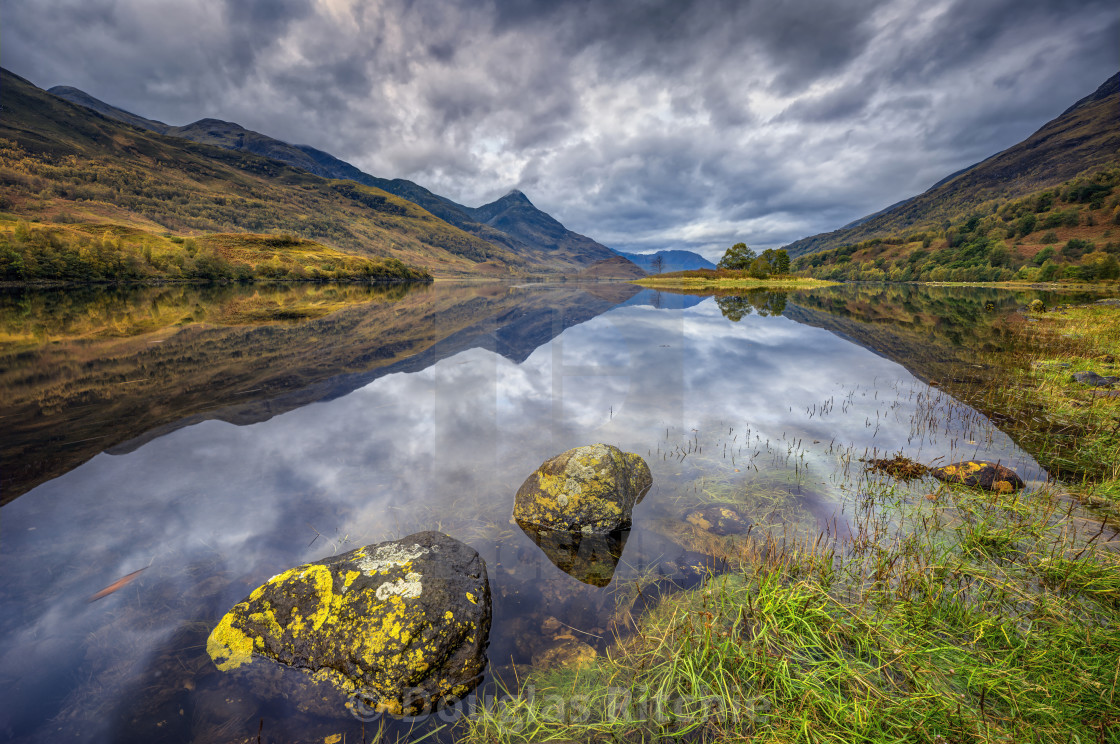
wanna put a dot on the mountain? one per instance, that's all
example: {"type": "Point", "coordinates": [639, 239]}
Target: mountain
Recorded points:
{"type": "Point", "coordinates": [75, 175]}
{"type": "Point", "coordinates": [672, 260]}
{"type": "Point", "coordinates": [1082, 140]}
{"type": "Point", "coordinates": [511, 223]}
{"type": "Point", "coordinates": [112, 112]}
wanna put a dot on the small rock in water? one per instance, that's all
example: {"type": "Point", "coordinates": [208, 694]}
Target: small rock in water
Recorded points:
{"type": "Point", "coordinates": [589, 489]}
{"type": "Point", "coordinates": [719, 519]}
{"type": "Point", "coordinates": [1092, 378]}
{"type": "Point", "coordinates": [566, 651]}
{"type": "Point", "coordinates": [977, 473]}
{"type": "Point", "coordinates": [398, 625]}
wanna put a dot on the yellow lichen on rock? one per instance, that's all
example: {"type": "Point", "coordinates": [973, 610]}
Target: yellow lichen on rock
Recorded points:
{"type": "Point", "coordinates": [228, 647]}
{"type": "Point", "coordinates": [988, 475]}
{"type": "Point", "coordinates": [592, 488]}
{"type": "Point", "coordinates": [374, 622]}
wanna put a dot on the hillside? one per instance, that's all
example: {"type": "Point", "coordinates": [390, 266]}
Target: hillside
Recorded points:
{"type": "Point", "coordinates": [1071, 231]}
{"type": "Point", "coordinates": [63, 167]}
{"type": "Point", "coordinates": [1083, 140]}
{"type": "Point", "coordinates": [523, 230]}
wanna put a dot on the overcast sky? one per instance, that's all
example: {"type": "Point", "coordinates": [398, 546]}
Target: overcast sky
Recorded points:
{"type": "Point", "coordinates": [644, 124]}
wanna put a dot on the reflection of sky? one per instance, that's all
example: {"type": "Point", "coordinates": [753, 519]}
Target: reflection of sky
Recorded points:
{"type": "Point", "coordinates": [445, 448]}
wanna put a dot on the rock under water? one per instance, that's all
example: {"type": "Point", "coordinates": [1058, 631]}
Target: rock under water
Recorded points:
{"type": "Point", "coordinates": [399, 625]}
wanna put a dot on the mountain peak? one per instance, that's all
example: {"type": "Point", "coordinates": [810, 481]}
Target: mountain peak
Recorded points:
{"type": "Point", "coordinates": [516, 195]}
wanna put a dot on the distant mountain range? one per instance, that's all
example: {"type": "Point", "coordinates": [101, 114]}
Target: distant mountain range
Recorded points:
{"type": "Point", "coordinates": [512, 222]}
{"type": "Point", "coordinates": [671, 260]}
{"type": "Point", "coordinates": [1083, 139]}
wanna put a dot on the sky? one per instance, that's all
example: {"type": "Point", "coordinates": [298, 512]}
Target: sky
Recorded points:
{"type": "Point", "coordinates": [644, 124]}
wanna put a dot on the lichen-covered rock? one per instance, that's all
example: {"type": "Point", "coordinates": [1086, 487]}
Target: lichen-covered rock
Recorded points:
{"type": "Point", "coordinates": [587, 557]}
{"type": "Point", "coordinates": [718, 519]}
{"type": "Point", "coordinates": [980, 474]}
{"type": "Point", "coordinates": [590, 489]}
{"type": "Point", "coordinates": [397, 625]}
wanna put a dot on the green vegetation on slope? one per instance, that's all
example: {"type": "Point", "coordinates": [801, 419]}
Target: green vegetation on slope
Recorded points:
{"type": "Point", "coordinates": [1071, 231]}
{"type": "Point", "coordinates": [1080, 142]}
{"type": "Point", "coordinates": [97, 252]}
{"type": "Point", "coordinates": [61, 163]}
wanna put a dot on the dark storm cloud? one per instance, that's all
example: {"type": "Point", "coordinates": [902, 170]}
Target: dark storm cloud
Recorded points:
{"type": "Point", "coordinates": [643, 123]}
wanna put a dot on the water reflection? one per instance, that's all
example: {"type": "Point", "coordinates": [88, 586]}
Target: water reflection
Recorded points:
{"type": "Point", "coordinates": [590, 558]}
{"type": "Point", "coordinates": [87, 371]}
{"type": "Point", "coordinates": [408, 414]}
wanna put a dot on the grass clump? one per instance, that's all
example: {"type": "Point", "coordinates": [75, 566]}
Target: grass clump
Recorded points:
{"type": "Point", "coordinates": [899, 466]}
{"type": "Point", "coordinates": [980, 618]}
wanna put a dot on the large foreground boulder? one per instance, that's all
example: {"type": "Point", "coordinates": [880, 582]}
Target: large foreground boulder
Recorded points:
{"type": "Point", "coordinates": [981, 474]}
{"type": "Point", "coordinates": [398, 625]}
{"type": "Point", "coordinates": [589, 489]}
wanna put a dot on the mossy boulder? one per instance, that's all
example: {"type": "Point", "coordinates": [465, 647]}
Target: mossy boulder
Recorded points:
{"type": "Point", "coordinates": [980, 474]}
{"type": "Point", "coordinates": [398, 625]}
{"type": "Point", "coordinates": [590, 489]}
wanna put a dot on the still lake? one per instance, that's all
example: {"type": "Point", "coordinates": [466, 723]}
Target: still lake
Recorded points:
{"type": "Point", "coordinates": [213, 437]}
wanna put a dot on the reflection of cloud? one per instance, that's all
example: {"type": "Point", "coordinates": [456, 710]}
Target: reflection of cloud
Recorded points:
{"type": "Point", "coordinates": [443, 448]}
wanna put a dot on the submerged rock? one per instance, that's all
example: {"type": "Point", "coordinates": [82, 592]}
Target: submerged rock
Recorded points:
{"type": "Point", "coordinates": [589, 489]}
{"type": "Point", "coordinates": [587, 557]}
{"type": "Point", "coordinates": [978, 473]}
{"type": "Point", "coordinates": [1092, 378]}
{"type": "Point", "coordinates": [566, 651]}
{"type": "Point", "coordinates": [718, 519]}
{"type": "Point", "coordinates": [398, 625]}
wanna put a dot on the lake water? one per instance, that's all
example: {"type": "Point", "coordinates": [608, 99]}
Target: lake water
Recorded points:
{"type": "Point", "coordinates": [214, 437]}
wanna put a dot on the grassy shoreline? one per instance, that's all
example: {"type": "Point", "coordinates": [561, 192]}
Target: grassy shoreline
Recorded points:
{"type": "Point", "coordinates": [1083, 419]}
{"type": "Point", "coordinates": [955, 615]}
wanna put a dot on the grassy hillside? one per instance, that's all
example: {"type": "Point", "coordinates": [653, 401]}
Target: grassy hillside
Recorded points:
{"type": "Point", "coordinates": [524, 230]}
{"type": "Point", "coordinates": [1085, 139]}
{"type": "Point", "coordinates": [78, 252]}
{"type": "Point", "coordinates": [1071, 231]}
{"type": "Point", "coordinates": [63, 164]}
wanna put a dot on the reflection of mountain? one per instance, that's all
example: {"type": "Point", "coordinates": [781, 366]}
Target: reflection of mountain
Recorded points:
{"type": "Point", "coordinates": [665, 300]}
{"type": "Point", "coordinates": [963, 338]}
{"type": "Point", "coordinates": [935, 332]}
{"type": "Point", "coordinates": [81, 394]}
{"type": "Point", "coordinates": [939, 334]}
